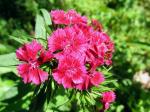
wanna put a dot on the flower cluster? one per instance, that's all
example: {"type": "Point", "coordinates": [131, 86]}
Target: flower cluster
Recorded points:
{"type": "Point", "coordinates": [78, 47]}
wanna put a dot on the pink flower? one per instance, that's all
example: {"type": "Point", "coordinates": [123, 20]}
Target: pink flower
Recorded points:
{"type": "Point", "coordinates": [57, 40]}
{"type": "Point", "coordinates": [28, 51]}
{"type": "Point", "coordinates": [31, 74]}
{"type": "Point", "coordinates": [70, 71]}
{"type": "Point", "coordinates": [107, 98]}
{"type": "Point", "coordinates": [74, 18]}
{"type": "Point", "coordinates": [100, 50]}
{"type": "Point", "coordinates": [67, 40]}
{"type": "Point", "coordinates": [70, 17]}
{"type": "Point", "coordinates": [58, 16]}
{"type": "Point", "coordinates": [96, 78]}
{"type": "Point", "coordinates": [91, 79]}
{"type": "Point", "coordinates": [30, 70]}
{"type": "Point", "coordinates": [85, 29]}
{"type": "Point", "coordinates": [85, 84]}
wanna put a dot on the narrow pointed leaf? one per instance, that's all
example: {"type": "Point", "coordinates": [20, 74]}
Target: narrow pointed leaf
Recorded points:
{"type": "Point", "coordinates": [46, 16]}
{"type": "Point", "coordinates": [40, 31]}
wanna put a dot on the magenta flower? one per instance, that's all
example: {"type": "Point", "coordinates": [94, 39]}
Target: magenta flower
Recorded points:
{"type": "Point", "coordinates": [30, 70]}
{"type": "Point", "coordinates": [107, 98]}
{"type": "Point", "coordinates": [70, 17]}
{"type": "Point", "coordinates": [96, 78]}
{"type": "Point", "coordinates": [70, 71]}
{"type": "Point", "coordinates": [58, 16]}
{"type": "Point", "coordinates": [68, 40]}
{"type": "Point", "coordinates": [100, 50]}
{"type": "Point", "coordinates": [91, 79]}
{"type": "Point", "coordinates": [74, 18]}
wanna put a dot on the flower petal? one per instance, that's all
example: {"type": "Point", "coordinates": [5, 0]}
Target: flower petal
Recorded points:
{"type": "Point", "coordinates": [43, 75]}
{"type": "Point", "coordinates": [23, 70]}
{"type": "Point", "coordinates": [67, 83]}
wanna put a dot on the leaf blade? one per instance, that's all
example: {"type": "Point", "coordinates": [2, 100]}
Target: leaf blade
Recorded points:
{"type": "Point", "coordinates": [46, 16]}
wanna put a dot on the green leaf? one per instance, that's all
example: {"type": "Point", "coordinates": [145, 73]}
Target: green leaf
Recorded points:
{"type": "Point", "coordinates": [109, 82]}
{"type": "Point", "coordinates": [90, 100]}
{"type": "Point", "coordinates": [8, 69]}
{"type": "Point", "coordinates": [120, 108]}
{"type": "Point", "coordinates": [8, 60]}
{"type": "Point", "coordinates": [8, 89]}
{"type": "Point", "coordinates": [40, 31]}
{"type": "Point", "coordinates": [19, 40]}
{"type": "Point", "coordinates": [6, 48]}
{"type": "Point", "coordinates": [46, 16]}
{"type": "Point", "coordinates": [101, 88]}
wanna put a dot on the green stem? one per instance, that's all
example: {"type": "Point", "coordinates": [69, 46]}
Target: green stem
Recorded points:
{"type": "Point", "coordinates": [39, 99]}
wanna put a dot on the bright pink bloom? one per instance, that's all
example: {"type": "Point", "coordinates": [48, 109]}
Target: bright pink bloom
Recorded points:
{"type": "Point", "coordinates": [99, 46]}
{"type": "Point", "coordinates": [67, 40]}
{"type": "Point", "coordinates": [74, 18]}
{"type": "Point", "coordinates": [58, 16]}
{"type": "Point", "coordinates": [70, 17]}
{"type": "Point", "coordinates": [70, 71]}
{"type": "Point", "coordinates": [30, 70]}
{"type": "Point", "coordinates": [96, 78]}
{"type": "Point", "coordinates": [57, 41]}
{"type": "Point", "coordinates": [85, 84]}
{"type": "Point", "coordinates": [28, 51]}
{"type": "Point", "coordinates": [91, 79]}
{"type": "Point", "coordinates": [85, 29]}
{"type": "Point", "coordinates": [100, 50]}
{"type": "Point", "coordinates": [107, 98]}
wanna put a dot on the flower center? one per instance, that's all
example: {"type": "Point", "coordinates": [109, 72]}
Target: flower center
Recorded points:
{"type": "Point", "coordinates": [34, 64]}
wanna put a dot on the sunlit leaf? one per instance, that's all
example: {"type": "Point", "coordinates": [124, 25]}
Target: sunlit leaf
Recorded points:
{"type": "Point", "coordinates": [8, 60]}
{"type": "Point", "coordinates": [40, 31]}
{"type": "Point", "coordinates": [7, 89]}
{"type": "Point", "coordinates": [46, 16]}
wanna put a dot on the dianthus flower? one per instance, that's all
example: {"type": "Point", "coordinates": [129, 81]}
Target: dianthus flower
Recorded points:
{"type": "Point", "coordinates": [100, 50]}
{"type": "Point", "coordinates": [67, 40]}
{"type": "Point", "coordinates": [30, 70]}
{"type": "Point", "coordinates": [91, 79]}
{"type": "Point", "coordinates": [99, 47]}
{"type": "Point", "coordinates": [107, 98]}
{"type": "Point", "coordinates": [67, 18]}
{"type": "Point", "coordinates": [70, 71]}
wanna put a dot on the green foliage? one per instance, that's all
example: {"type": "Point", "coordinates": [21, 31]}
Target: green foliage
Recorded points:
{"type": "Point", "coordinates": [40, 31]}
{"type": "Point", "coordinates": [126, 21]}
{"type": "Point", "coordinates": [8, 60]}
{"type": "Point", "coordinates": [46, 17]}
